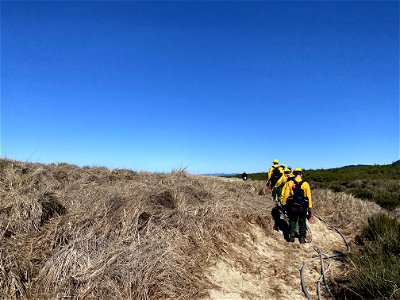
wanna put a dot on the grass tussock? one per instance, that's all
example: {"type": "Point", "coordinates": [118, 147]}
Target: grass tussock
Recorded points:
{"type": "Point", "coordinates": [343, 211]}
{"type": "Point", "coordinates": [92, 233]}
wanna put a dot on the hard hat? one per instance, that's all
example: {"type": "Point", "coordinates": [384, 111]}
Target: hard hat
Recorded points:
{"type": "Point", "coordinates": [290, 168]}
{"type": "Point", "coordinates": [286, 171]}
{"type": "Point", "coordinates": [282, 165]}
{"type": "Point", "coordinates": [297, 171]}
{"type": "Point", "coordinates": [275, 161]}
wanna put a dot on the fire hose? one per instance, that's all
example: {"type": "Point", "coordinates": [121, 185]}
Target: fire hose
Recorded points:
{"type": "Point", "coordinates": [321, 257]}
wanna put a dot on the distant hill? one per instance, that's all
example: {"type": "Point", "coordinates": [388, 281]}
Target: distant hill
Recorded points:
{"type": "Point", "coordinates": [222, 174]}
{"type": "Point", "coordinates": [396, 163]}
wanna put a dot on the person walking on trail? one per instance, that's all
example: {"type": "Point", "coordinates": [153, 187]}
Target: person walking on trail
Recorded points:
{"type": "Point", "coordinates": [274, 174]}
{"type": "Point", "coordinates": [289, 178]}
{"type": "Point", "coordinates": [279, 185]}
{"type": "Point", "coordinates": [275, 163]}
{"type": "Point", "coordinates": [297, 202]}
{"type": "Point", "coordinates": [244, 176]}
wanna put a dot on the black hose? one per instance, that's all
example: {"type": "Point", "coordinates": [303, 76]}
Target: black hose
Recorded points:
{"type": "Point", "coordinates": [321, 256]}
{"type": "Point", "coordinates": [323, 272]}
{"type": "Point", "coordinates": [303, 285]}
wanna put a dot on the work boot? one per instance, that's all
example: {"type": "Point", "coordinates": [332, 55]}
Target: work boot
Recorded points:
{"type": "Point", "coordinates": [302, 240]}
{"type": "Point", "coordinates": [291, 238]}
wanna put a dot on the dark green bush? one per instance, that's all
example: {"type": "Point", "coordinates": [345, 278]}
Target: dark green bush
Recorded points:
{"type": "Point", "coordinates": [388, 200]}
{"type": "Point", "coordinates": [337, 188]}
{"type": "Point", "coordinates": [362, 193]}
{"type": "Point", "coordinates": [382, 228]}
{"type": "Point", "coordinates": [376, 270]}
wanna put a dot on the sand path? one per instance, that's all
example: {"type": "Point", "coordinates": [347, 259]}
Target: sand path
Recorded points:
{"type": "Point", "coordinates": [275, 265]}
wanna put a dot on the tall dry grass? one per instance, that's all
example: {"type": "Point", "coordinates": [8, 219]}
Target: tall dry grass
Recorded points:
{"type": "Point", "coordinates": [344, 211]}
{"type": "Point", "coordinates": [94, 233]}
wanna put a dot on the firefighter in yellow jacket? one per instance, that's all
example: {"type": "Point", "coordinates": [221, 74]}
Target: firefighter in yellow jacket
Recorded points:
{"type": "Point", "coordinates": [297, 202]}
{"type": "Point", "coordinates": [281, 183]}
{"type": "Point", "coordinates": [271, 169]}
{"type": "Point", "coordinates": [274, 174]}
{"type": "Point", "coordinates": [289, 178]}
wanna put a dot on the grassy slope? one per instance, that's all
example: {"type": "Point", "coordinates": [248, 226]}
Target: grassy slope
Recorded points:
{"type": "Point", "coordinates": [95, 233]}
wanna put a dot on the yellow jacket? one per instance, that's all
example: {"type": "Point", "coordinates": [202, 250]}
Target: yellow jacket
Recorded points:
{"type": "Point", "coordinates": [287, 191]}
{"type": "Point", "coordinates": [281, 181]}
{"type": "Point", "coordinates": [289, 178]}
{"type": "Point", "coordinates": [270, 172]}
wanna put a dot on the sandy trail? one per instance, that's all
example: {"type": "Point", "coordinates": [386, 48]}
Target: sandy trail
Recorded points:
{"type": "Point", "coordinates": [272, 270]}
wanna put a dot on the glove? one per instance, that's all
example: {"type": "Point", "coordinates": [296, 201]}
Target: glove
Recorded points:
{"type": "Point", "coordinates": [309, 216]}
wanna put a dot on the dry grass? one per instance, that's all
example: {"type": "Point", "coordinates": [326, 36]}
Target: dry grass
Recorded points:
{"type": "Point", "coordinates": [344, 211]}
{"type": "Point", "coordinates": [92, 233]}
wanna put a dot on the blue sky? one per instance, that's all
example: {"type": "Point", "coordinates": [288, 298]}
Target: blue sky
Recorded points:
{"type": "Point", "coordinates": [211, 86]}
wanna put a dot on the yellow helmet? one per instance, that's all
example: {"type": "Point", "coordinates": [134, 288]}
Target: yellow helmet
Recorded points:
{"type": "Point", "coordinates": [297, 171]}
{"type": "Point", "coordinates": [276, 161]}
{"type": "Point", "coordinates": [286, 171]}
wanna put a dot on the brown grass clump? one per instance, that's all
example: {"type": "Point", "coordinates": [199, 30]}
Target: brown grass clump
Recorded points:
{"type": "Point", "coordinates": [343, 211]}
{"type": "Point", "coordinates": [93, 233]}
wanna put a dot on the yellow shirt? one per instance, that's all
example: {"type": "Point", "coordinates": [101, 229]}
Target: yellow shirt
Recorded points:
{"type": "Point", "coordinates": [290, 177]}
{"type": "Point", "coordinates": [287, 191]}
{"type": "Point", "coordinates": [281, 181]}
{"type": "Point", "coordinates": [270, 171]}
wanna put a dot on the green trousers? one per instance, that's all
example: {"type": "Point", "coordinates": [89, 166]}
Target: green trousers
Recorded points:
{"type": "Point", "coordinates": [276, 192]}
{"type": "Point", "coordinates": [300, 218]}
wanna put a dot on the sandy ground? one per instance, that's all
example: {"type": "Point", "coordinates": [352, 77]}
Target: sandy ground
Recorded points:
{"type": "Point", "coordinates": [273, 267]}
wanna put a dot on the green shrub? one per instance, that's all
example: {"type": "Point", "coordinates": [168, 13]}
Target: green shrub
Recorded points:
{"type": "Point", "coordinates": [376, 275]}
{"type": "Point", "coordinates": [362, 193]}
{"type": "Point", "coordinates": [388, 200]}
{"type": "Point", "coordinates": [376, 270]}
{"type": "Point", "coordinates": [382, 229]}
{"type": "Point", "coordinates": [337, 188]}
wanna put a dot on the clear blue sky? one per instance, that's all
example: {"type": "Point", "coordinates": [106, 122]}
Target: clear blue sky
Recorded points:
{"type": "Point", "coordinates": [211, 86]}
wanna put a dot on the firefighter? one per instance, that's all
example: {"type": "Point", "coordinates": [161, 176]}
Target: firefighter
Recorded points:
{"type": "Point", "coordinates": [274, 174]}
{"type": "Point", "coordinates": [297, 202]}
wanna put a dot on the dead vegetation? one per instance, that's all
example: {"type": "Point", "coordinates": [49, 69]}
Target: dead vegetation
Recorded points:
{"type": "Point", "coordinates": [88, 233]}
{"type": "Point", "coordinates": [93, 233]}
{"type": "Point", "coordinates": [343, 211]}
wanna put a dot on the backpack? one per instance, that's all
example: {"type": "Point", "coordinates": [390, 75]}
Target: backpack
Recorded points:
{"type": "Point", "coordinates": [298, 202]}
{"type": "Point", "coordinates": [275, 175]}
